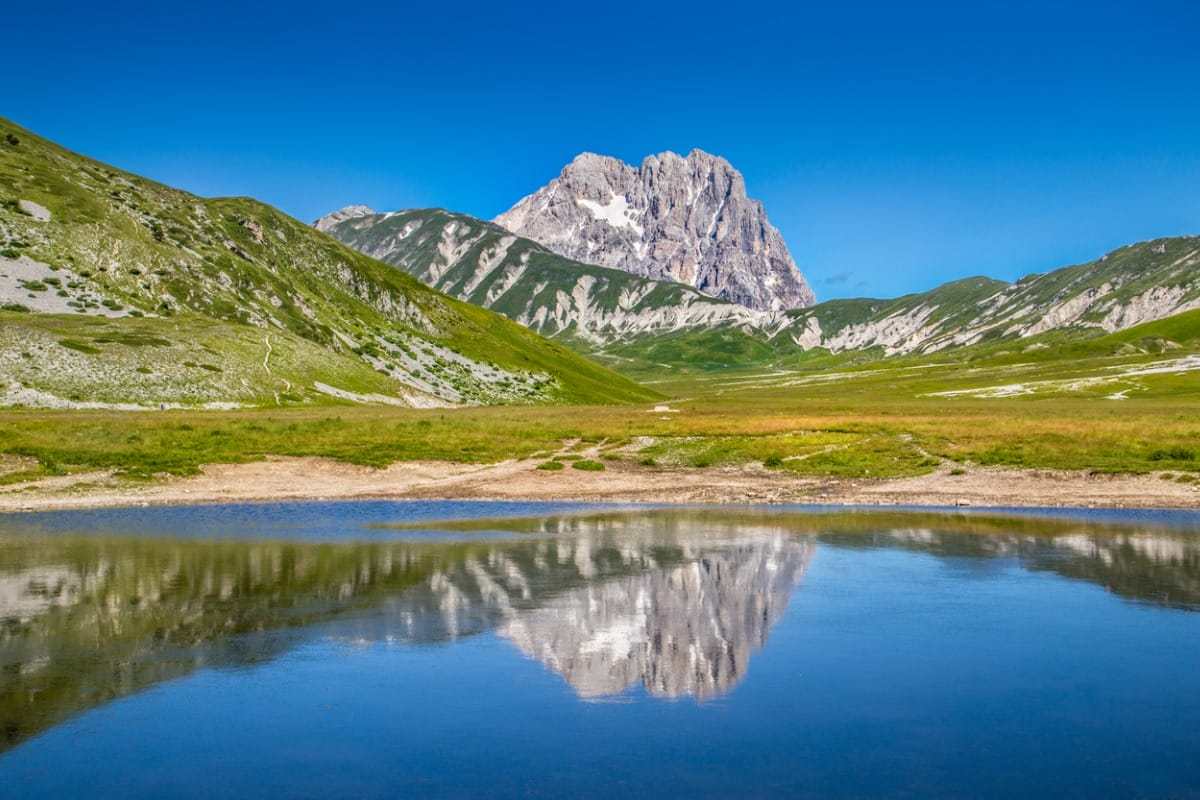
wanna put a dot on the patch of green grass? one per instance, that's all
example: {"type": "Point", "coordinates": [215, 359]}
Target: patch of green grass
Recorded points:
{"type": "Point", "coordinates": [788, 450]}
{"type": "Point", "coordinates": [551, 466]}
{"type": "Point", "coordinates": [587, 465]}
{"type": "Point", "coordinates": [135, 338]}
{"type": "Point", "coordinates": [22, 476]}
{"type": "Point", "coordinates": [871, 457]}
{"type": "Point", "coordinates": [179, 442]}
{"type": "Point", "coordinates": [72, 344]}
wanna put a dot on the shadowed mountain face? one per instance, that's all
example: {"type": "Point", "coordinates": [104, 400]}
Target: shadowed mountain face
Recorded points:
{"type": "Point", "coordinates": [676, 603]}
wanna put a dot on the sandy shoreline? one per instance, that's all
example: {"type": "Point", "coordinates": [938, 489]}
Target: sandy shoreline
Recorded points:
{"type": "Point", "coordinates": [324, 479]}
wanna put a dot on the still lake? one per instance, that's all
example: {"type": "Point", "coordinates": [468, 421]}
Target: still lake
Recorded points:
{"type": "Point", "coordinates": [425, 649]}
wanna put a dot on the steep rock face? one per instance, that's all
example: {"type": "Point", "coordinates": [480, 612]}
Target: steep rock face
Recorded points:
{"type": "Point", "coordinates": [679, 219]}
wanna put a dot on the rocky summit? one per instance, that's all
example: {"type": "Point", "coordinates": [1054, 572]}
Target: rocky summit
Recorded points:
{"type": "Point", "coordinates": [679, 219]}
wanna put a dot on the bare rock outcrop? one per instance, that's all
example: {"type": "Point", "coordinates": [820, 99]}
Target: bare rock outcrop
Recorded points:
{"type": "Point", "coordinates": [326, 223]}
{"type": "Point", "coordinates": [679, 219]}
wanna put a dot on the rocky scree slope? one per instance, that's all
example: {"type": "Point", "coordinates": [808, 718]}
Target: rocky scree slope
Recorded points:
{"type": "Point", "coordinates": [1130, 286]}
{"type": "Point", "coordinates": [117, 290]}
{"type": "Point", "coordinates": [679, 219]}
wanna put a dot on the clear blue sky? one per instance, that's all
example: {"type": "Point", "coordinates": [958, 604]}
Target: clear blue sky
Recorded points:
{"type": "Point", "coordinates": [896, 145]}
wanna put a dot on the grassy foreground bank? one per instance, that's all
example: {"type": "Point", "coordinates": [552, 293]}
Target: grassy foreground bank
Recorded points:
{"type": "Point", "coordinates": [1132, 414]}
{"type": "Point", "coordinates": [809, 437]}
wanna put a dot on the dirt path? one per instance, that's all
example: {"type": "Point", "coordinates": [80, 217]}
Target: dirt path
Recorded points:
{"type": "Point", "coordinates": [318, 478]}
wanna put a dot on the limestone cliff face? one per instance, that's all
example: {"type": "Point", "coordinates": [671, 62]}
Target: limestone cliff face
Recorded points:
{"type": "Point", "coordinates": [680, 219]}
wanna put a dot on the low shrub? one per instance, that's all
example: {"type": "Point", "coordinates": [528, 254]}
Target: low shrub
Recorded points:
{"type": "Point", "coordinates": [1176, 453]}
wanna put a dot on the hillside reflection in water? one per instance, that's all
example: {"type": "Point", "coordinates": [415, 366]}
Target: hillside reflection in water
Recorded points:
{"type": "Point", "coordinates": [675, 603]}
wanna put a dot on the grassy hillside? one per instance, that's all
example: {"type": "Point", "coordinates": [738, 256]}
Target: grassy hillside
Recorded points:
{"type": "Point", "coordinates": [59, 360]}
{"type": "Point", "coordinates": [125, 248]}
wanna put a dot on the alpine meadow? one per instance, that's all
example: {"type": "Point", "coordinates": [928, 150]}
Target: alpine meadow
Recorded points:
{"type": "Point", "coordinates": [264, 337]}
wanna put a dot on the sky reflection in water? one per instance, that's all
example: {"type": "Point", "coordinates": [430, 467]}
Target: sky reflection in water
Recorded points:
{"type": "Point", "coordinates": [361, 649]}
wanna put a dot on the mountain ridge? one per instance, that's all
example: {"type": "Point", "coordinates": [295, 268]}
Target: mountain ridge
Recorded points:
{"type": "Point", "coordinates": [482, 263]}
{"type": "Point", "coordinates": [610, 313]}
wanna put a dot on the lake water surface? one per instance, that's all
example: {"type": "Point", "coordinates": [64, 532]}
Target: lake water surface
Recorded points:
{"type": "Point", "coordinates": [382, 649]}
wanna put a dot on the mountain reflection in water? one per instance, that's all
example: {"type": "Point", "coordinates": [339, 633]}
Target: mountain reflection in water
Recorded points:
{"type": "Point", "coordinates": [681, 630]}
{"type": "Point", "coordinates": [676, 602]}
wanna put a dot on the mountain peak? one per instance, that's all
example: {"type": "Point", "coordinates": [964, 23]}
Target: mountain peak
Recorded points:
{"type": "Point", "coordinates": [326, 223]}
{"type": "Point", "coordinates": [679, 218]}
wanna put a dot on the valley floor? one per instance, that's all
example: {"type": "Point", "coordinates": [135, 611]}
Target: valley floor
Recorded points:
{"type": "Point", "coordinates": [278, 479]}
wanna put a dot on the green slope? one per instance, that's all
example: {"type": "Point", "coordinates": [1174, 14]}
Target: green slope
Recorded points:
{"type": "Point", "coordinates": [1181, 329]}
{"type": "Point", "coordinates": [60, 360]}
{"type": "Point", "coordinates": [127, 248]}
